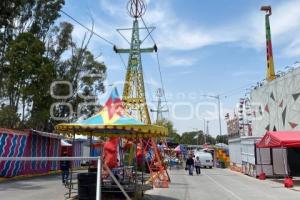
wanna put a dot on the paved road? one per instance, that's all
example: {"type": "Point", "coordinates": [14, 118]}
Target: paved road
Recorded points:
{"type": "Point", "coordinates": [220, 184]}
{"type": "Point", "coordinates": [213, 184]}
{"type": "Point", "coordinates": [42, 188]}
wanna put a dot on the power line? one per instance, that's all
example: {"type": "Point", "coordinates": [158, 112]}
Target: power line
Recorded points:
{"type": "Point", "coordinates": [122, 60]}
{"type": "Point", "coordinates": [111, 43]}
{"type": "Point", "coordinates": [149, 91]}
{"type": "Point", "coordinates": [96, 34]}
{"type": "Point", "coordinates": [158, 62]}
{"type": "Point", "coordinates": [160, 76]}
{"type": "Point", "coordinates": [87, 28]}
{"type": "Point", "coordinates": [149, 32]}
{"type": "Point", "coordinates": [236, 91]}
{"type": "Point", "coordinates": [233, 91]}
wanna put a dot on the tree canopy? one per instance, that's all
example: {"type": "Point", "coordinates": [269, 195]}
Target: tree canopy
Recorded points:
{"type": "Point", "coordinates": [37, 53]}
{"type": "Point", "coordinates": [192, 137]}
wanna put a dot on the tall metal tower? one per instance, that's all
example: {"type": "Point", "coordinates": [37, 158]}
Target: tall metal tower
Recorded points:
{"type": "Point", "coordinates": [134, 97]}
{"type": "Point", "coordinates": [270, 63]}
{"type": "Point", "coordinates": [160, 109]}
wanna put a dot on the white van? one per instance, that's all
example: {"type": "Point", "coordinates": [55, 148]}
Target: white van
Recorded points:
{"type": "Point", "coordinates": [206, 159]}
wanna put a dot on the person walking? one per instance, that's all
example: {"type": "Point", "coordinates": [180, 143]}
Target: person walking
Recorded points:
{"type": "Point", "coordinates": [190, 165]}
{"type": "Point", "coordinates": [198, 165]}
{"type": "Point", "coordinates": [65, 167]}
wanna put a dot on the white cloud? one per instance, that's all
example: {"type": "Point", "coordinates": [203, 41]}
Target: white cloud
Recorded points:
{"type": "Point", "coordinates": [100, 27]}
{"type": "Point", "coordinates": [285, 25]}
{"type": "Point", "coordinates": [174, 61]}
{"type": "Point", "coordinates": [249, 30]}
{"type": "Point", "coordinates": [293, 49]}
{"type": "Point", "coordinates": [286, 18]}
{"type": "Point", "coordinates": [113, 7]}
{"type": "Point", "coordinates": [184, 39]}
{"type": "Point", "coordinates": [174, 33]}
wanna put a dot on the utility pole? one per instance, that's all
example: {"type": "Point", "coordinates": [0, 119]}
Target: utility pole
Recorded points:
{"type": "Point", "coordinates": [204, 135]}
{"type": "Point", "coordinates": [197, 134]}
{"type": "Point", "coordinates": [207, 130]}
{"type": "Point", "coordinates": [159, 109]}
{"type": "Point", "coordinates": [219, 110]}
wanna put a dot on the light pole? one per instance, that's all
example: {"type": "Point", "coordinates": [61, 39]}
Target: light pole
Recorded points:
{"type": "Point", "coordinates": [197, 131]}
{"type": "Point", "coordinates": [204, 135]}
{"type": "Point", "coordinates": [219, 110]}
{"type": "Point", "coordinates": [207, 130]}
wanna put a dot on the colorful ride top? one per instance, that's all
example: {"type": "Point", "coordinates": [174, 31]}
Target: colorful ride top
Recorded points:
{"type": "Point", "coordinates": [112, 121]}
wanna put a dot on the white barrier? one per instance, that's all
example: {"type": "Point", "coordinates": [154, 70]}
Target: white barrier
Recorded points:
{"type": "Point", "coordinates": [46, 158]}
{"type": "Point", "coordinates": [99, 167]}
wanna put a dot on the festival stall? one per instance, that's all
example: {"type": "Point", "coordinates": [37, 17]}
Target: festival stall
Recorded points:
{"type": "Point", "coordinates": [288, 142]}
{"type": "Point", "coordinates": [221, 152]}
{"type": "Point", "coordinates": [177, 156]}
{"type": "Point", "coordinates": [181, 151]}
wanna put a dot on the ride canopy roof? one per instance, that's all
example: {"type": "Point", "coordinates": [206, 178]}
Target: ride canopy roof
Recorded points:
{"type": "Point", "coordinates": [112, 120]}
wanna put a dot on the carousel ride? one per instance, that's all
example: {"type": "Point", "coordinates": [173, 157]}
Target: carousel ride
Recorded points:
{"type": "Point", "coordinates": [129, 149]}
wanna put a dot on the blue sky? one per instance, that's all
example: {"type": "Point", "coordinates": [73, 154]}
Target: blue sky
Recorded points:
{"type": "Point", "coordinates": [205, 47]}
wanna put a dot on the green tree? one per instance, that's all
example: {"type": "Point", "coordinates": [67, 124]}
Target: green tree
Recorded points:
{"type": "Point", "coordinates": [189, 137]}
{"type": "Point", "coordinates": [172, 132]}
{"type": "Point", "coordinates": [20, 16]}
{"type": "Point", "coordinates": [197, 137]}
{"type": "Point", "coordinates": [222, 139]}
{"type": "Point", "coordinates": [8, 117]}
{"type": "Point", "coordinates": [23, 66]}
{"type": "Point", "coordinates": [33, 54]}
{"type": "Point", "coordinates": [28, 75]}
{"type": "Point", "coordinates": [81, 70]}
{"type": "Point", "coordinates": [210, 139]}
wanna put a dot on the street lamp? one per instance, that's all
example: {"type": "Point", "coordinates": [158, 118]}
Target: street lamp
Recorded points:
{"type": "Point", "coordinates": [207, 130]}
{"type": "Point", "coordinates": [204, 123]}
{"type": "Point", "coordinates": [219, 110]}
{"type": "Point", "coordinates": [197, 130]}
{"type": "Point", "coordinates": [204, 134]}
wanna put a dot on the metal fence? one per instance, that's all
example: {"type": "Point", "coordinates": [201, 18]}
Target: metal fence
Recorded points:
{"type": "Point", "coordinates": [100, 165]}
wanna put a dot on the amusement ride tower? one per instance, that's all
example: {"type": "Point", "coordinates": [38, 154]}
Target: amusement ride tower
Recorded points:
{"type": "Point", "coordinates": [134, 97]}
{"type": "Point", "coordinates": [270, 63]}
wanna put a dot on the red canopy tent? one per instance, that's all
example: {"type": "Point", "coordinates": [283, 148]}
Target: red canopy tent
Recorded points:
{"type": "Point", "coordinates": [280, 139]}
{"type": "Point", "coordinates": [274, 139]}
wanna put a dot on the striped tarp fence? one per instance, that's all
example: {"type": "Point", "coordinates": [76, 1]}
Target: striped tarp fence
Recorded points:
{"type": "Point", "coordinates": [77, 152]}
{"type": "Point", "coordinates": [41, 146]}
{"type": "Point", "coordinates": [27, 144]}
{"type": "Point", "coordinates": [12, 145]}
